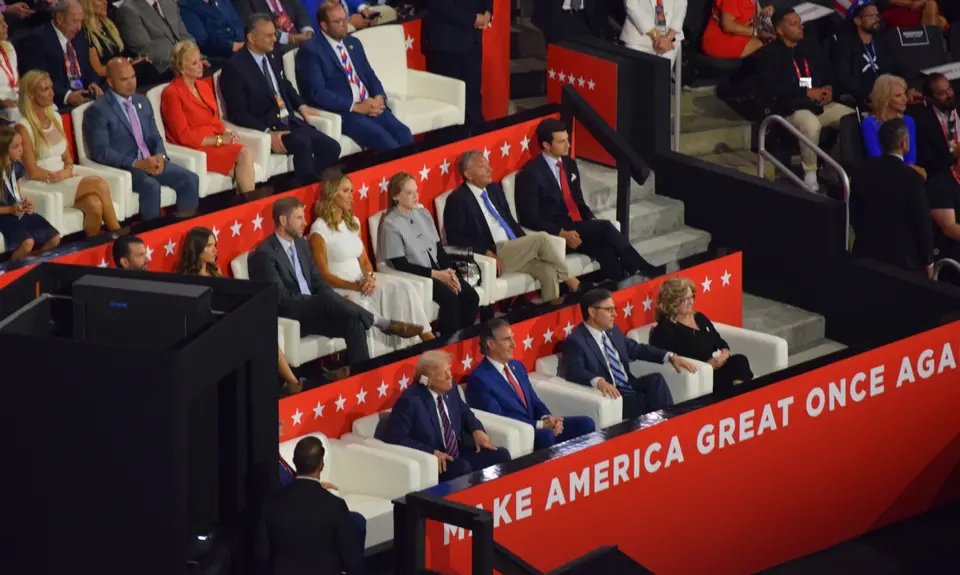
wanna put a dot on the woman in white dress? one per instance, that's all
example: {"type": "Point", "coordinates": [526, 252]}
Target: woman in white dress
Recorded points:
{"type": "Point", "coordinates": [47, 159]}
{"type": "Point", "coordinates": [341, 257]}
{"type": "Point", "coordinates": [654, 26]}
{"type": "Point", "coordinates": [9, 76]}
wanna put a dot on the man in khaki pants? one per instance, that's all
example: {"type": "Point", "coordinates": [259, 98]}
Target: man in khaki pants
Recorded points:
{"type": "Point", "coordinates": [477, 216]}
{"type": "Point", "coordinates": [795, 80]}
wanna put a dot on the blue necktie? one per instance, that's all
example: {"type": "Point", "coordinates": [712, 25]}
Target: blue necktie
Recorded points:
{"type": "Point", "coordinates": [616, 368]}
{"type": "Point", "coordinates": [496, 214]}
{"type": "Point", "coordinates": [295, 261]}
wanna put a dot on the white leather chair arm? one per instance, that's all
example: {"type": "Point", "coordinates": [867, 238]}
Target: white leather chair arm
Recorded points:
{"type": "Point", "coordinates": [47, 203]}
{"type": "Point", "coordinates": [422, 84]}
{"type": "Point", "coordinates": [565, 398]}
{"type": "Point", "coordinates": [515, 436]}
{"type": "Point", "coordinates": [258, 142]}
{"type": "Point", "coordinates": [424, 285]}
{"type": "Point", "coordinates": [329, 123]}
{"type": "Point", "coordinates": [428, 468]}
{"type": "Point", "coordinates": [488, 278]}
{"type": "Point", "coordinates": [291, 339]}
{"type": "Point", "coordinates": [123, 194]}
{"type": "Point", "coordinates": [767, 353]}
{"type": "Point", "coordinates": [363, 469]}
{"type": "Point", "coordinates": [683, 385]}
{"type": "Point", "coordinates": [193, 160]}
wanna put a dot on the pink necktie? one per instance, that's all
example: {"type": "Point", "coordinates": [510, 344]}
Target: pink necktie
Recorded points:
{"type": "Point", "coordinates": [137, 130]}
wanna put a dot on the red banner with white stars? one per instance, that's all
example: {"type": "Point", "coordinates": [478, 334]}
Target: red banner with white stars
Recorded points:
{"type": "Point", "coordinates": [241, 228]}
{"type": "Point", "coordinates": [411, 32]}
{"type": "Point", "coordinates": [332, 409]}
{"type": "Point", "coordinates": [593, 78]}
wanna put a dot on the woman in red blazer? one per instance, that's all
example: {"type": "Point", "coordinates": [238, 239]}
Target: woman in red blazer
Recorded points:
{"type": "Point", "coordinates": [192, 119]}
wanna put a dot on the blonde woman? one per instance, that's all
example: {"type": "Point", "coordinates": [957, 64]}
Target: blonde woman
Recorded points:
{"type": "Point", "coordinates": [46, 157]}
{"type": "Point", "coordinates": [888, 100]}
{"type": "Point", "coordinates": [690, 334]}
{"type": "Point", "coordinates": [105, 40]}
{"type": "Point", "coordinates": [9, 76]}
{"type": "Point", "coordinates": [342, 260]}
{"type": "Point", "coordinates": [192, 119]}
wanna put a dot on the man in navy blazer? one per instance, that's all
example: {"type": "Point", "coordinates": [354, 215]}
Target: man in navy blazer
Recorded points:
{"type": "Point", "coordinates": [54, 45]}
{"type": "Point", "coordinates": [121, 132]}
{"type": "Point", "coordinates": [333, 73]}
{"type": "Point", "coordinates": [549, 199]}
{"type": "Point", "coordinates": [477, 216]}
{"type": "Point", "coordinates": [215, 26]}
{"type": "Point", "coordinates": [500, 385]}
{"type": "Point", "coordinates": [430, 416]}
{"type": "Point", "coordinates": [257, 95]}
{"type": "Point", "coordinates": [597, 354]}
{"type": "Point", "coordinates": [453, 46]}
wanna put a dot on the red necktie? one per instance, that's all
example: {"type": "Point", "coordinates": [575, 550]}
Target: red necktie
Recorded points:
{"type": "Point", "coordinates": [516, 386]}
{"type": "Point", "coordinates": [567, 195]}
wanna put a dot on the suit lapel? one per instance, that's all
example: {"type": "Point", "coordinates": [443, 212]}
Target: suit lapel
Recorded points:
{"type": "Point", "coordinates": [548, 173]}
{"type": "Point", "coordinates": [118, 110]}
{"type": "Point", "coordinates": [505, 385]}
{"type": "Point", "coordinates": [152, 15]}
{"type": "Point", "coordinates": [284, 257]}
{"type": "Point", "coordinates": [592, 345]}
{"type": "Point", "coordinates": [433, 412]}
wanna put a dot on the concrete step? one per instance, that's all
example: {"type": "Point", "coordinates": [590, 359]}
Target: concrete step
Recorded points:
{"type": "Point", "coordinates": [524, 104]}
{"type": "Point", "coordinates": [802, 329]}
{"type": "Point", "coordinates": [599, 186]}
{"type": "Point", "coordinates": [668, 248]}
{"type": "Point", "coordinates": [651, 216]}
{"type": "Point", "coordinates": [526, 41]}
{"type": "Point", "coordinates": [744, 161]}
{"type": "Point", "coordinates": [708, 125]}
{"type": "Point", "coordinates": [818, 349]}
{"type": "Point", "coordinates": [528, 78]}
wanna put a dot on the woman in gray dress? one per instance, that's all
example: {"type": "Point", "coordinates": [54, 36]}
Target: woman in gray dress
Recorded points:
{"type": "Point", "coordinates": [408, 241]}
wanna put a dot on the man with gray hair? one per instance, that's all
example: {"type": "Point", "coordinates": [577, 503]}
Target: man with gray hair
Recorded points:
{"type": "Point", "coordinates": [477, 217]}
{"type": "Point", "coordinates": [431, 416]}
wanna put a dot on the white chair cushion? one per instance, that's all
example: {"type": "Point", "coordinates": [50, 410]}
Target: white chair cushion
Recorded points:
{"type": "Point", "coordinates": [423, 115]}
{"type": "Point", "coordinates": [379, 515]}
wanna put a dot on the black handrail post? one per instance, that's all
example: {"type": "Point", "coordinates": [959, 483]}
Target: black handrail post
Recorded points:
{"type": "Point", "coordinates": [624, 178]}
{"type": "Point", "coordinates": [409, 538]}
{"type": "Point", "coordinates": [482, 547]}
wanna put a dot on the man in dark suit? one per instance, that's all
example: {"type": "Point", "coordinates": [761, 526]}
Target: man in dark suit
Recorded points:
{"type": "Point", "coordinates": [500, 385]}
{"type": "Point", "coordinates": [549, 199]}
{"type": "Point", "coordinates": [291, 20]}
{"type": "Point", "coordinates": [938, 126]}
{"type": "Point", "coordinates": [561, 20]}
{"type": "Point", "coordinates": [477, 217]}
{"type": "Point", "coordinates": [284, 259]}
{"type": "Point", "coordinates": [215, 25]}
{"type": "Point", "coordinates": [258, 96]}
{"type": "Point", "coordinates": [430, 416]}
{"type": "Point", "coordinates": [334, 74]}
{"type": "Point", "coordinates": [60, 50]}
{"type": "Point", "coordinates": [121, 132]}
{"type": "Point", "coordinates": [888, 206]}
{"type": "Point", "coordinates": [597, 354]}
{"type": "Point", "coordinates": [453, 42]}
{"type": "Point", "coordinates": [305, 529]}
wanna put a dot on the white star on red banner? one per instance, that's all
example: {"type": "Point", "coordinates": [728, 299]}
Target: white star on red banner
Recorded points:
{"type": "Point", "coordinates": [296, 417]}
{"type": "Point", "coordinates": [424, 173]}
{"type": "Point", "coordinates": [705, 284]}
{"type": "Point", "coordinates": [362, 396]}
{"type": "Point", "coordinates": [340, 402]}
{"type": "Point", "coordinates": [363, 191]}
{"type": "Point", "coordinates": [404, 381]}
{"type": "Point", "coordinates": [258, 222]}
{"type": "Point", "coordinates": [505, 149]}
{"type": "Point", "coordinates": [567, 329]}
{"type": "Point", "coordinates": [628, 310]}
{"type": "Point", "coordinates": [725, 278]}
{"type": "Point", "coordinates": [528, 342]}
{"type": "Point", "coordinates": [548, 336]}
{"type": "Point", "coordinates": [169, 247]}
{"type": "Point", "coordinates": [383, 185]}
{"type": "Point", "coordinates": [647, 303]}
{"type": "Point", "coordinates": [382, 390]}
{"type": "Point", "coordinates": [525, 144]}
{"type": "Point", "coordinates": [318, 411]}
{"type": "Point", "coordinates": [444, 167]}
{"type": "Point", "coordinates": [149, 254]}
{"type": "Point", "coordinates": [235, 229]}
{"type": "Point", "coordinates": [466, 362]}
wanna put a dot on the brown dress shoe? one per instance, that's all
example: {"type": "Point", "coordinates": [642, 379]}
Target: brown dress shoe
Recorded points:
{"type": "Point", "coordinates": [402, 329]}
{"type": "Point", "coordinates": [427, 336]}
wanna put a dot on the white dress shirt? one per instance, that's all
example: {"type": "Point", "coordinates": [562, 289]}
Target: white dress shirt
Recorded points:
{"type": "Point", "coordinates": [502, 370]}
{"type": "Point", "coordinates": [567, 4]}
{"type": "Point", "coordinates": [63, 48]}
{"type": "Point", "coordinates": [496, 230]}
{"type": "Point", "coordinates": [336, 50]}
{"type": "Point", "coordinates": [598, 337]}
{"type": "Point", "coordinates": [552, 162]}
{"type": "Point", "coordinates": [436, 408]}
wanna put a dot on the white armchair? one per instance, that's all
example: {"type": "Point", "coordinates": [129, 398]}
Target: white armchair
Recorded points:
{"type": "Point", "coordinates": [191, 160]}
{"type": "Point", "coordinates": [329, 123]}
{"type": "Point", "coordinates": [66, 218]}
{"type": "Point", "coordinates": [210, 182]}
{"type": "Point", "coordinates": [367, 479]}
{"type": "Point", "coordinates": [421, 100]}
{"type": "Point", "coordinates": [258, 142]}
{"type": "Point", "coordinates": [565, 398]}
{"type": "Point", "coordinates": [683, 385]}
{"type": "Point", "coordinates": [495, 288]}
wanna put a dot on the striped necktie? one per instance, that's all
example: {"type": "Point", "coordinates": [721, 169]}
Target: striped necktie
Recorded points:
{"type": "Point", "coordinates": [449, 437]}
{"type": "Point", "coordinates": [613, 361]}
{"type": "Point", "coordinates": [348, 68]}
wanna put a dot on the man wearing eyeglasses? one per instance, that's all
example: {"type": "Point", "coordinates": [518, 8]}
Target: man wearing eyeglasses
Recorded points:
{"type": "Point", "coordinates": [597, 354]}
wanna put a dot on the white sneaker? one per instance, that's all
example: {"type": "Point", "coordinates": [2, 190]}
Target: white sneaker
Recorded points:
{"type": "Point", "coordinates": [810, 179]}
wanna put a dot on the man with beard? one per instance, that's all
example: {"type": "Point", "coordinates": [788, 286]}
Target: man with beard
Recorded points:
{"type": "Point", "coordinates": [284, 259]}
{"type": "Point", "coordinates": [861, 55]}
{"type": "Point", "coordinates": [938, 125]}
{"type": "Point", "coordinates": [130, 253]}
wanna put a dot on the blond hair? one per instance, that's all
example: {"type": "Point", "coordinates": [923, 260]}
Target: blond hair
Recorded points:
{"type": "Point", "coordinates": [882, 94]}
{"type": "Point", "coordinates": [672, 293]}
{"type": "Point", "coordinates": [100, 31]}
{"type": "Point", "coordinates": [324, 208]}
{"type": "Point", "coordinates": [27, 85]}
{"type": "Point", "coordinates": [179, 53]}
{"type": "Point", "coordinates": [429, 361]}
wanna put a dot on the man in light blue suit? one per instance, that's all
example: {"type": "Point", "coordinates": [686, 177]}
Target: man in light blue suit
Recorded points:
{"type": "Point", "coordinates": [500, 385]}
{"type": "Point", "coordinates": [121, 132]}
{"type": "Point", "coordinates": [333, 74]}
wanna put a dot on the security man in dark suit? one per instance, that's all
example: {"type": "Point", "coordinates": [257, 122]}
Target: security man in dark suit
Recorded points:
{"type": "Point", "coordinates": [549, 199]}
{"type": "Point", "coordinates": [938, 126]}
{"type": "Point", "coordinates": [453, 42]}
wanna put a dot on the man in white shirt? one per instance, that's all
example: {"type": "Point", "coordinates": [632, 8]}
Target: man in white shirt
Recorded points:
{"type": "Point", "coordinates": [477, 217]}
{"type": "Point", "coordinates": [500, 385]}
{"type": "Point", "coordinates": [597, 354]}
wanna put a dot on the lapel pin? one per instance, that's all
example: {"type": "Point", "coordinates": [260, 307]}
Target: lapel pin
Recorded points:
{"type": "Point", "coordinates": [139, 106]}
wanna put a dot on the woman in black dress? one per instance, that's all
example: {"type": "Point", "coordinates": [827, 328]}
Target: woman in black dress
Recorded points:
{"type": "Point", "coordinates": [23, 230]}
{"type": "Point", "coordinates": [106, 44]}
{"type": "Point", "coordinates": [690, 334]}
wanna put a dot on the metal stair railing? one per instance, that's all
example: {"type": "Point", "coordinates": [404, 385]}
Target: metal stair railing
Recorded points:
{"type": "Point", "coordinates": [945, 263]}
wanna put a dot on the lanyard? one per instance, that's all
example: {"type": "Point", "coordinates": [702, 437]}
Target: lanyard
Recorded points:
{"type": "Point", "coordinates": [8, 70]}
{"type": "Point", "coordinates": [806, 68]}
{"type": "Point", "coordinates": [953, 170]}
{"type": "Point", "coordinates": [871, 53]}
{"type": "Point", "coordinates": [946, 130]}
{"type": "Point", "coordinates": [13, 186]}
